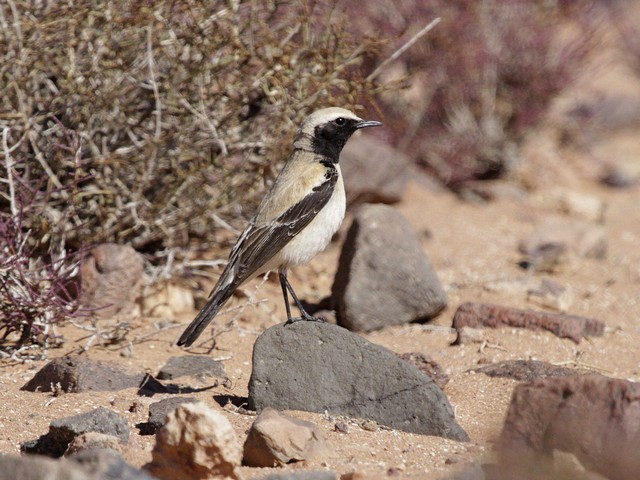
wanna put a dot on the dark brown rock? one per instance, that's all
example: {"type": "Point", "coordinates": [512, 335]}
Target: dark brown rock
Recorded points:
{"type": "Point", "coordinates": [428, 365]}
{"type": "Point", "coordinates": [111, 279]}
{"type": "Point", "coordinates": [574, 327]}
{"type": "Point", "coordinates": [525, 370]}
{"type": "Point", "coordinates": [276, 439]}
{"type": "Point", "coordinates": [80, 374]}
{"type": "Point", "coordinates": [384, 277]}
{"type": "Point", "coordinates": [592, 417]}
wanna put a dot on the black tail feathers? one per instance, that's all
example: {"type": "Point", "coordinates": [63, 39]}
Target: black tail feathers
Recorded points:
{"type": "Point", "coordinates": [210, 310]}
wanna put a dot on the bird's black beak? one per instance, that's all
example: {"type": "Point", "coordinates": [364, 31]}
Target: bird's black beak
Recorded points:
{"type": "Point", "coordinates": [367, 123]}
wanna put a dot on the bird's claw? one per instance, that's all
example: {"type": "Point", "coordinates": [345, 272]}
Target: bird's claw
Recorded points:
{"type": "Point", "coordinates": [306, 318]}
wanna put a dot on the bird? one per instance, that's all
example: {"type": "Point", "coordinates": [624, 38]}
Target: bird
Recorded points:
{"type": "Point", "coordinates": [296, 218]}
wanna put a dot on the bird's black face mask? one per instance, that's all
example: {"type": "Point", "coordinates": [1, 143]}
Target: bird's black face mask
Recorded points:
{"type": "Point", "coordinates": [329, 138]}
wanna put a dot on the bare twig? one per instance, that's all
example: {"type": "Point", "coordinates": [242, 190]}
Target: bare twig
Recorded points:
{"type": "Point", "coordinates": [151, 163]}
{"type": "Point", "coordinates": [403, 48]}
{"type": "Point", "coordinates": [9, 167]}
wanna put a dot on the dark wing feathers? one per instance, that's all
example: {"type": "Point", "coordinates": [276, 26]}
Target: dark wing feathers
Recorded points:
{"type": "Point", "coordinates": [259, 243]}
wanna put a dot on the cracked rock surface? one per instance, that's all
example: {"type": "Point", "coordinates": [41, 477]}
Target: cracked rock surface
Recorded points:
{"type": "Point", "coordinates": [319, 367]}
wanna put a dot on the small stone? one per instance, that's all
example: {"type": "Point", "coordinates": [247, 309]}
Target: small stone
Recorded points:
{"type": "Point", "coordinates": [196, 442]}
{"type": "Point", "coordinates": [545, 257]}
{"type": "Point", "coordinates": [580, 238]}
{"type": "Point", "coordinates": [570, 202]}
{"type": "Point", "coordinates": [341, 427]}
{"type": "Point", "coordinates": [63, 431]}
{"type": "Point", "coordinates": [158, 412]}
{"type": "Point", "coordinates": [276, 439]}
{"type": "Point", "coordinates": [197, 366]}
{"type": "Point", "coordinates": [549, 294]}
{"type": "Point", "coordinates": [74, 373]}
{"type": "Point", "coordinates": [619, 178]}
{"type": "Point", "coordinates": [167, 300]}
{"type": "Point", "coordinates": [469, 335]}
{"type": "Point", "coordinates": [428, 365]}
{"type": "Point", "coordinates": [136, 407]}
{"type": "Point", "coordinates": [93, 440]}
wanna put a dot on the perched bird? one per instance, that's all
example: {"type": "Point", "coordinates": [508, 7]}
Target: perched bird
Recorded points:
{"type": "Point", "coordinates": [295, 220]}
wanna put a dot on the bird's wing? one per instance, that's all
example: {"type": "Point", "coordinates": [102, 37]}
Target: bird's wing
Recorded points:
{"type": "Point", "coordinates": [260, 242]}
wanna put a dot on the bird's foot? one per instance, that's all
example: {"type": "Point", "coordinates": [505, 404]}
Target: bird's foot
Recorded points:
{"type": "Point", "coordinates": [306, 318]}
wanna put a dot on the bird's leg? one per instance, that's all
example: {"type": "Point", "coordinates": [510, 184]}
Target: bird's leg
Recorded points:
{"type": "Point", "coordinates": [286, 287]}
{"type": "Point", "coordinates": [283, 284]}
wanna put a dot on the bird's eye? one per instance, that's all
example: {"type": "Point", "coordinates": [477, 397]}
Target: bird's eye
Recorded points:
{"type": "Point", "coordinates": [340, 121]}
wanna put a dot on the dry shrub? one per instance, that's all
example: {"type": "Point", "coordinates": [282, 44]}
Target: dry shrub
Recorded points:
{"type": "Point", "coordinates": [150, 123]}
{"type": "Point", "coordinates": [483, 77]}
{"type": "Point", "coordinates": [182, 108]}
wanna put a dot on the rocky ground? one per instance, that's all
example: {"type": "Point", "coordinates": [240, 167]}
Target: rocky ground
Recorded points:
{"type": "Point", "coordinates": [567, 245]}
{"type": "Point", "coordinates": [474, 250]}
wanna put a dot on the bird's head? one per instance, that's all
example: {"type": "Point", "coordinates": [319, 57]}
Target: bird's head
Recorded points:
{"type": "Point", "coordinates": [326, 131]}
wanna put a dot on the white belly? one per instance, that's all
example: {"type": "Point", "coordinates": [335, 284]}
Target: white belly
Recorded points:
{"type": "Point", "coordinates": [316, 236]}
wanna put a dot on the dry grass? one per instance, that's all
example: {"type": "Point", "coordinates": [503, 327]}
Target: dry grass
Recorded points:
{"type": "Point", "coordinates": [150, 123]}
{"type": "Point", "coordinates": [179, 108]}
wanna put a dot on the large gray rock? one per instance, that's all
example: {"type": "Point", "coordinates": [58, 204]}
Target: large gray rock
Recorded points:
{"type": "Point", "coordinates": [317, 366]}
{"type": "Point", "coordinates": [374, 171]}
{"type": "Point", "coordinates": [384, 277]}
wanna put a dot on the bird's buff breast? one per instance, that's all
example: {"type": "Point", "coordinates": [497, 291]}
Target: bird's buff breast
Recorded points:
{"type": "Point", "coordinates": [316, 236]}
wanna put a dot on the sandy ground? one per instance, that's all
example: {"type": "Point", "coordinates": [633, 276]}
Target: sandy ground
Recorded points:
{"type": "Point", "coordinates": [473, 247]}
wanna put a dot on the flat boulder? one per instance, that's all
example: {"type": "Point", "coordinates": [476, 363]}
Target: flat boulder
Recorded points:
{"type": "Point", "coordinates": [320, 367]}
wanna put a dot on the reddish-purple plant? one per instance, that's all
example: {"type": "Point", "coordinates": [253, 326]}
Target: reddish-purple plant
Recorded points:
{"type": "Point", "coordinates": [36, 292]}
{"type": "Point", "coordinates": [38, 274]}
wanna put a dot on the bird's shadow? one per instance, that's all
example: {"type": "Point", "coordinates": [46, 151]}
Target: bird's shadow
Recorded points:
{"type": "Point", "coordinates": [237, 401]}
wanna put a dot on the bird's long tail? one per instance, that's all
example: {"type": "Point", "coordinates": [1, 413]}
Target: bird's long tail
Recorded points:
{"type": "Point", "coordinates": [210, 310]}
